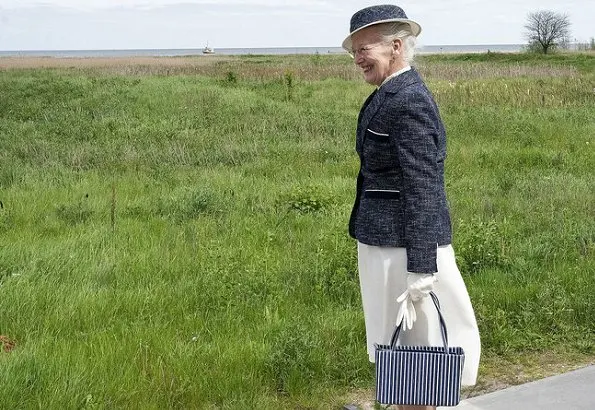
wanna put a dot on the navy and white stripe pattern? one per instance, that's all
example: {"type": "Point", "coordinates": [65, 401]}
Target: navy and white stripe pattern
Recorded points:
{"type": "Point", "coordinates": [419, 375]}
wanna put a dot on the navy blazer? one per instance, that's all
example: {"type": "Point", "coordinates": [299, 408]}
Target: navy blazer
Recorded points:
{"type": "Point", "coordinates": [400, 199]}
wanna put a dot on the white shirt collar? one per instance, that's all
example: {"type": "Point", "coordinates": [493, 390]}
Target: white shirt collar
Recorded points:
{"type": "Point", "coordinates": [396, 73]}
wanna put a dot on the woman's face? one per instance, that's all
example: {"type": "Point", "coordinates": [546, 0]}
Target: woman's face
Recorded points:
{"type": "Point", "coordinates": [377, 58]}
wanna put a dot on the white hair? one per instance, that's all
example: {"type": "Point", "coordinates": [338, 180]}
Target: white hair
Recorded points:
{"type": "Point", "coordinates": [402, 31]}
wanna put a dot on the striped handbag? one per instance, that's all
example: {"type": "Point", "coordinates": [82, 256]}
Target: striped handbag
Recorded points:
{"type": "Point", "coordinates": [419, 375]}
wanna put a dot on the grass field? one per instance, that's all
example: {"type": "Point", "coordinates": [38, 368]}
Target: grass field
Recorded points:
{"type": "Point", "coordinates": [173, 230]}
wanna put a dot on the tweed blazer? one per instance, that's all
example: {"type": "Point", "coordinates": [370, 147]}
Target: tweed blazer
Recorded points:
{"type": "Point", "coordinates": [400, 198]}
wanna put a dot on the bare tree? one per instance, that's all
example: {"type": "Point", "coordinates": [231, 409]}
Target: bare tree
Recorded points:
{"type": "Point", "coordinates": [547, 30]}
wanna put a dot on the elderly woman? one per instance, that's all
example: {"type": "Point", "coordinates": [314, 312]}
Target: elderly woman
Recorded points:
{"type": "Point", "coordinates": [400, 217]}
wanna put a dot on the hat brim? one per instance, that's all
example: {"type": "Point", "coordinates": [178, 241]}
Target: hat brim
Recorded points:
{"type": "Point", "coordinates": [415, 30]}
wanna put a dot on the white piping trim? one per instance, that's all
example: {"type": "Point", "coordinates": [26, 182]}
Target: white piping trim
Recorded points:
{"type": "Point", "coordinates": [378, 133]}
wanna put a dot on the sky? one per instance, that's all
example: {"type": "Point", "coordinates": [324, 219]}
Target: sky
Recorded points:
{"type": "Point", "coordinates": [159, 24]}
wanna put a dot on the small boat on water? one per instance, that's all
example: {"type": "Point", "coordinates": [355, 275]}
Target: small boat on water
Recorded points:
{"type": "Point", "coordinates": [208, 50]}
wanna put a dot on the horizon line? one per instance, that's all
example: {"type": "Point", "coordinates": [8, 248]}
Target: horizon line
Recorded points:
{"type": "Point", "coordinates": [249, 48]}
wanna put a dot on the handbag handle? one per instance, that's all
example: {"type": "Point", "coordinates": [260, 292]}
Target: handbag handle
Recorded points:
{"type": "Point", "coordinates": [397, 331]}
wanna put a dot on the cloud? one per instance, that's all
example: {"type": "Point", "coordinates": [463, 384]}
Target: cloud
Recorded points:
{"type": "Point", "coordinates": [90, 5]}
{"type": "Point", "coordinates": [100, 24]}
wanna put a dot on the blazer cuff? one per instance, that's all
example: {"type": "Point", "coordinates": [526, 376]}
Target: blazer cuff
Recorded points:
{"type": "Point", "coordinates": [422, 260]}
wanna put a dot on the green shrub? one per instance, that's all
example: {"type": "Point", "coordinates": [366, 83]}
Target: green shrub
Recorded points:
{"type": "Point", "coordinates": [305, 200]}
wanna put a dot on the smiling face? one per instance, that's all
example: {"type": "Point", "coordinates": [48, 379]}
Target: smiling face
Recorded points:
{"type": "Point", "coordinates": [376, 57]}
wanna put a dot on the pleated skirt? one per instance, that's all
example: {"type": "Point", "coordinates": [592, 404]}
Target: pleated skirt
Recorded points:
{"type": "Point", "coordinates": [383, 277]}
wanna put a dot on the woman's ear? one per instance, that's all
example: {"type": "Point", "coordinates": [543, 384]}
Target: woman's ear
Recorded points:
{"type": "Point", "coordinates": [397, 46]}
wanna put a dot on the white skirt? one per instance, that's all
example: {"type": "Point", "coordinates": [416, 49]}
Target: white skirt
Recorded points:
{"type": "Point", "coordinates": [383, 277]}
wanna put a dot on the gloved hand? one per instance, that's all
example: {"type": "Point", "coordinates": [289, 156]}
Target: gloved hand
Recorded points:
{"type": "Point", "coordinates": [419, 285]}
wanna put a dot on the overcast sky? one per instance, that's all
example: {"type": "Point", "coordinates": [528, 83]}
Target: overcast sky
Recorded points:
{"type": "Point", "coordinates": [150, 24]}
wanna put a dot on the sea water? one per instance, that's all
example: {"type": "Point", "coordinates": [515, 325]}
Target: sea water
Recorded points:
{"type": "Point", "coordinates": [483, 48]}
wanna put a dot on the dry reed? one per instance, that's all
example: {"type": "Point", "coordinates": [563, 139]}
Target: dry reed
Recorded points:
{"type": "Point", "coordinates": [307, 68]}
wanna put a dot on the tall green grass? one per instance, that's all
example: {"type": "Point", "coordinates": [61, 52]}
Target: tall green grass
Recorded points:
{"type": "Point", "coordinates": [177, 239]}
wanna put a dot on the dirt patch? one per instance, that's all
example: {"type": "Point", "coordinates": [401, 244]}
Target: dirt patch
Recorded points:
{"type": "Point", "coordinates": [105, 62]}
{"type": "Point", "coordinates": [7, 344]}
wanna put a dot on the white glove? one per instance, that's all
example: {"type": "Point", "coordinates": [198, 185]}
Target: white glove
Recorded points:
{"type": "Point", "coordinates": [419, 285]}
{"type": "Point", "coordinates": [406, 315]}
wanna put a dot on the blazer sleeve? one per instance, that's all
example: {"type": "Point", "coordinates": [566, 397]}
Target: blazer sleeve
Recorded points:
{"type": "Point", "coordinates": [418, 128]}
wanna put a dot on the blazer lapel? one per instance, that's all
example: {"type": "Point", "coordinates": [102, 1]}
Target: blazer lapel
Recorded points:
{"type": "Point", "coordinates": [368, 110]}
{"type": "Point", "coordinates": [376, 99]}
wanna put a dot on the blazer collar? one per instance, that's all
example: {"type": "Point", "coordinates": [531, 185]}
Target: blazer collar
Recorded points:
{"type": "Point", "coordinates": [402, 80]}
{"type": "Point", "coordinates": [396, 73]}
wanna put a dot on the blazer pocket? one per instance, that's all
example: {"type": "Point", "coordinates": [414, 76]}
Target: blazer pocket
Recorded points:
{"type": "Point", "coordinates": [377, 136]}
{"type": "Point", "coordinates": [382, 194]}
